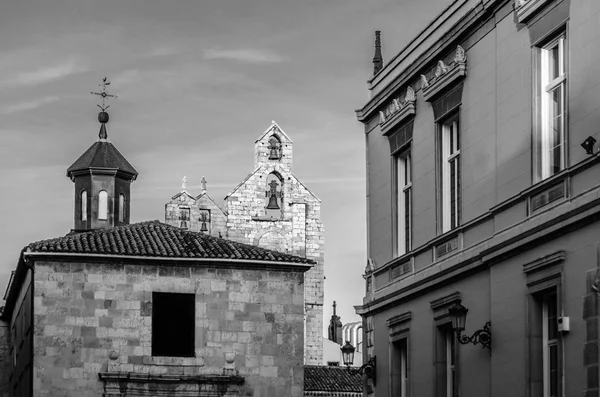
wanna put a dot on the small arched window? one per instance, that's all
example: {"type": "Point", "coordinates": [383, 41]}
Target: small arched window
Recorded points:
{"type": "Point", "coordinates": [122, 208]}
{"type": "Point", "coordinates": [102, 205]}
{"type": "Point", "coordinates": [83, 199]}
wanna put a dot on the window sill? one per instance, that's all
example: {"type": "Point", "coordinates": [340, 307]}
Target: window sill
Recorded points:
{"type": "Point", "coordinates": [173, 361]}
{"type": "Point", "coordinates": [265, 218]}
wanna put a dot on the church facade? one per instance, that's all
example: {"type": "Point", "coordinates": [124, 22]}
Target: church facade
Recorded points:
{"type": "Point", "coordinates": [272, 209]}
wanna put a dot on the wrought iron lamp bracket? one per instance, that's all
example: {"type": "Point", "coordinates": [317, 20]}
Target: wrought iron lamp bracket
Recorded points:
{"type": "Point", "coordinates": [481, 337]}
{"type": "Point", "coordinates": [368, 369]}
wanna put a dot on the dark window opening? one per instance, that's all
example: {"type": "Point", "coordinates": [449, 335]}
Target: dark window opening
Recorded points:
{"type": "Point", "coordinates": [173, 324]}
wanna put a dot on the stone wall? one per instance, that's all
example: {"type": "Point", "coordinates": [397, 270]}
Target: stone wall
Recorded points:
{"type": "Point", "coordinates": [297, 231]}
{"type": "Point", "coordinates": [194, 206]}
{"type": "Point", "coordinates": [97, 318]}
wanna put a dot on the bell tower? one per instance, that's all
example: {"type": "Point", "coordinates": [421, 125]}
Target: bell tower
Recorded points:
{"type": "Point", "coordinates": [102, 178]}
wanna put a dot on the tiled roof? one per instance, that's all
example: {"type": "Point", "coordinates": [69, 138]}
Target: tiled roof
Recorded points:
{"type": "Point", "coordinates": [102, 154]}
{"type": "Point", "coordinates": [330, 380]}
{"type": "Point", "coordinates": [157, 239]}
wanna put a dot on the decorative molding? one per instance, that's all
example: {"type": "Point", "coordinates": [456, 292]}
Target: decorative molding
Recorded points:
{"type": "Point", "coordinates": [145, 384]}
{"type": "Point", "coordinates": [445, 75]}
{"type": "Point", "coordinates": [398, 110]}
{"type": "Point", "coordinates": [445, 301]}
{"type": "Point", "coordinates": [460, 56]}
{"type": "Point", "coordinates": [399, 319]}
{"type": "Point", "coordinates": [441, 69]}
{"type": "Point", "coordinates": [424, 82]}
{"type": "Point", "coordinates": [544, 262]}
{"type": "Point", "coordinates": [525, 9]}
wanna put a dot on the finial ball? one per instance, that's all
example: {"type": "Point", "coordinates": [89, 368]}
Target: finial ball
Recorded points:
{"type": "Point", "coordinates": [103, 117]}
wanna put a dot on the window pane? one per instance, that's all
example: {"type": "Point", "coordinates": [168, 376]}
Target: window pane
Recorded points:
{"type": "Point", "coordinates": [553, 62]}
{"type": "Point", "coordinates": [553, 370]}
{"type": "Point", "coordinates": [84, 206]}
{"type": "Point", "coordinates": [102, 205]}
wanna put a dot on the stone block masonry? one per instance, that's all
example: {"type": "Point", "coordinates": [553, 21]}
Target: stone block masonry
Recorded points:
{"type": "Point", "coordinates": [94, 317]}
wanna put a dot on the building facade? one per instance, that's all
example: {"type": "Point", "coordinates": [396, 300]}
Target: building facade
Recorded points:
{"type": "Point", "coordinates": [146, 309]}
{"type": "Point", "coordinates": [270, 208]}
{"type": "Point", "coordinates": [483, 191]}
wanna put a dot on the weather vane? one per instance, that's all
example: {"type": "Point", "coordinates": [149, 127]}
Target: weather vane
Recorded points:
{"type": "Point", "coordinates": [104, 94]}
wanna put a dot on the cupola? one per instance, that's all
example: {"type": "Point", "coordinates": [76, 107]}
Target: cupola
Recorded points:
{"type": "Point", "coordinates": [102, 178]}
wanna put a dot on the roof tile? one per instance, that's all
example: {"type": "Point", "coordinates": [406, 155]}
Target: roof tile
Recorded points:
{"type": "Point", "coordinates": [154, 238]}
{"type": "Point", "coordinates": [331, 378]}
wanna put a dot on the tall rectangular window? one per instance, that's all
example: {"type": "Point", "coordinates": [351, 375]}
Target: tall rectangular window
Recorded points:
{"type": "Point", "coordinates": [173, 324]}
{"type": "Point", "coordinates": [550, 345]}
{"type": "Point", "coordinates": [449, 173]}
{"type": "Point", "coordinates": [446, 373]}
{"type": "Point", "coordinates": [399, 369]}
{"type": "Point", "coordinates": [402, 202]}
{"type": "Point", "coordinates": [550, 140]}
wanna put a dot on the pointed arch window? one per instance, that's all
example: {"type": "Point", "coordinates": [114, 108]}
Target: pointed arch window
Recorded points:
{"type": "Point", "coordinates": [83, 199]}
{"type": "Point", "coordinates": [274, 148]}
{"type": "Point", "coordinates": [102, 205]}
{"type": "Point", "coordinates": [122, 208]}
{"type": "Point", "coordinates": [274, 196]}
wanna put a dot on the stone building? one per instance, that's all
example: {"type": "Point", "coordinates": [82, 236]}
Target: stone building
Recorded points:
{"type": "Point", "coordinates": [119, 309]}
{"type": "Point", "coordinates": [270, 208]}
{"type": "Point", "coordinates": [483, 193]}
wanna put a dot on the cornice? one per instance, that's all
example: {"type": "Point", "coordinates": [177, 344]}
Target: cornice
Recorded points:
{"type": "Point", "coordinates": [398, 111]}
{"type": "Point", "coordinates": [445, 75]}
{"type": "Point", "coordinates": [525, 9]}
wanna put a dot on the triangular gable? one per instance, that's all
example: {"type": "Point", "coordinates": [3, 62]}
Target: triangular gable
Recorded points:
{"type": "Point", "coordinates": [183, 192]}
{"type": "Point", "coordinates": [268, 130]}
{"type": "Point", "coordinates": [211, 200]}
{"type": "Point", "coordinates": [242, 182]}
{"type": "Point", "coordinates": [307, 189]}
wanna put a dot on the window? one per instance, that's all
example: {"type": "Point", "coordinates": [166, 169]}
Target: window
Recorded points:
{"type": "Point", "coordinates": [402, 202]}
{"type": "Point", "coordinates": [545, 344]}
{"type": "Point", "coordinates": [173, 324]}
{"type": "Point", "coordinates": [400, 368]}
{"type": "Point", "coordinates": [84, 205]}
{"type": "Point", "coordinates": [122, 208]}
{"type": "Point", "coordinates": [204, 219]}
{"type": "Point", "coordinates": [550, 140]}
{"type": "Point", "coordinates": [102, 205]}
{"type": "Point", "coordinates": [449, 173]}
{"type": "Point", "coordinates": [446, 372]}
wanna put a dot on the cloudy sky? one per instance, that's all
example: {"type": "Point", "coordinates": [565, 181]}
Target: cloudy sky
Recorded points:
{"type": "Point", "coordinates": [198, 81]}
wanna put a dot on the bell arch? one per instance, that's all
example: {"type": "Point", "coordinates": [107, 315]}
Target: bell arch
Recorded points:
{"type": "Point", "coordinates": [274, 196]}
{"type": "Point", "coordinates": [274, 147]}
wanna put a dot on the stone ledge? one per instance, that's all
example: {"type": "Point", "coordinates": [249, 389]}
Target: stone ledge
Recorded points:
{"type": "Point", "coordinates": [458, 72]}
{"type": "Point", "coordinates": [177, 361]}
{"type": "Point", "coordinates": [164, 378]}
{"type": "Point", "coordinates": [526, 9]}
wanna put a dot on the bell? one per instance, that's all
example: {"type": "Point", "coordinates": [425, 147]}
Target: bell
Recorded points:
{"type": "Point", "coordinates": [273, 155]}
{"type": "Point", "coordinates": [203, 227]}
{"type": "Point", "coordinates": [273, 203]}
{"type": "Point", "coordinates": [183, 224]}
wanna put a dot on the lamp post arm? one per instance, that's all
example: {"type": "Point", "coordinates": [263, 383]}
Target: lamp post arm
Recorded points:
{"type": "Point", "coordinates": [481, 336]}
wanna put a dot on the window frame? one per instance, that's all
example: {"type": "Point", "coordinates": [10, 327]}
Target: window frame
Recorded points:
{"type": "Point", "coordinates": [399, 380]}
{"type": "Point", "coordinates": [544, 86]}
{"type": "Point", "coordinates": [448, 156]}
{"type": "Point", "coordinates": [402, 201]}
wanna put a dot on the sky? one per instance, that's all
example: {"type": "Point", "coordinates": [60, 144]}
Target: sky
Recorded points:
{"type": "Point", "coordinates": [197, 81]}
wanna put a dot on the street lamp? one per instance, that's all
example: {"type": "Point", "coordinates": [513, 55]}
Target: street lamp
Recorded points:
{"type": "Point", "coordinates": [459, 319]}
{"type": "Point", "coordinates": [367, 369]}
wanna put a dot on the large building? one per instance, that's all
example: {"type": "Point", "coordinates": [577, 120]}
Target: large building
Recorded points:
{"type": "Point", "coordinates": [147, 309]}
{"type": "Point", "coordinates": [270, 208]}
{"type": "Point", "coordinates": [483, 193]}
